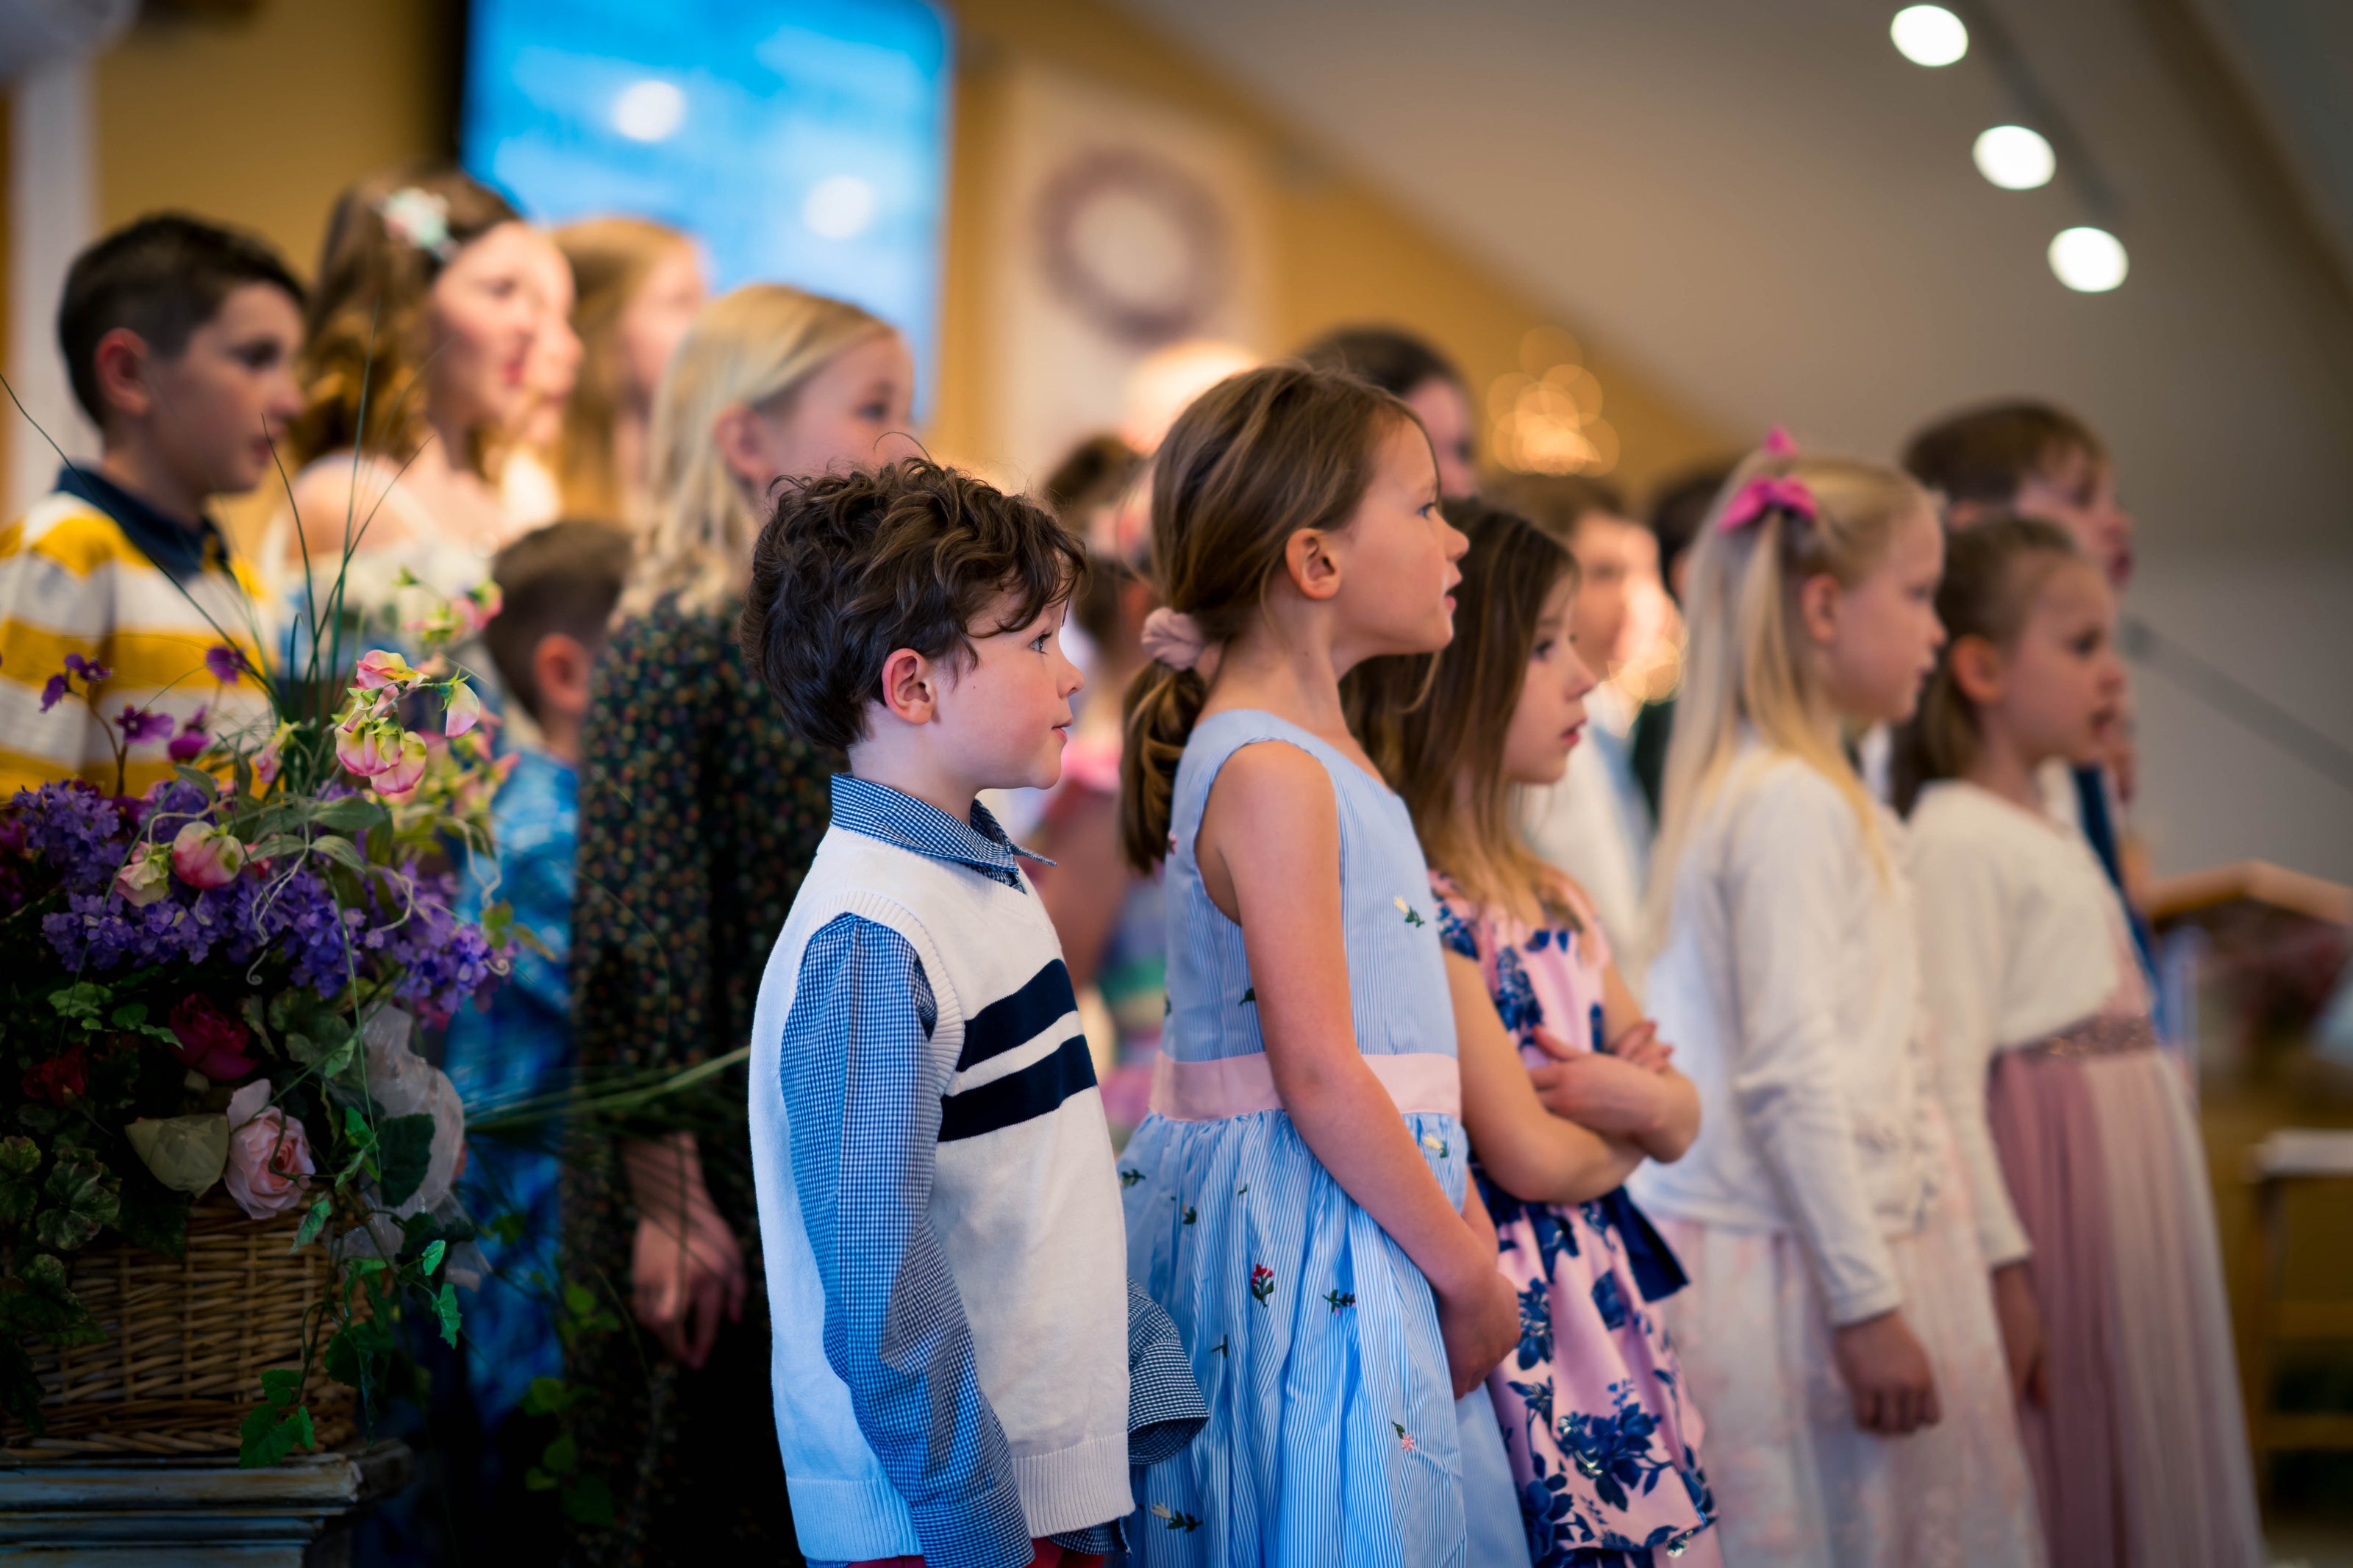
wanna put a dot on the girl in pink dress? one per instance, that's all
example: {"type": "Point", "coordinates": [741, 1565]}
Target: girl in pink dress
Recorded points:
{"type": "Point", "coordinates": [1564, 1090]}
{"type": "Point", "coordinates": [2077, 1133]}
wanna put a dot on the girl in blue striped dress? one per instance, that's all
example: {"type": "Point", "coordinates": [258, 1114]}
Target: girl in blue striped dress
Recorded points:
{"type": "Point", "coordinates": [1297, 1198]}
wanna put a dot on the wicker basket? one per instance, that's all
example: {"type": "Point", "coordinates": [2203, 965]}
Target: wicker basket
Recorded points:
{"type": "Point", "coordinates": [186, 1342]}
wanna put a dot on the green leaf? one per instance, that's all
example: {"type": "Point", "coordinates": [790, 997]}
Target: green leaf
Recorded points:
{"type": "Point", "coordinates": [562, 1455]}
{"type": "Point", "coordinates": [341, 851]}
{"type": "Point", "coordinates": [82, 1002]}
{"type": "Point", "coordinates": [356, 1356]}
{"type": "Point", "coordinates": [548, 1397]}
{"type": "Point", "coordinates": [366, 1265]}
{"type": "Point", "coordinates": [314, 1222]}
{"type": "Point", "coordinates": [590, 1501]}
{"type": "Point", "coordinates": [445, 1307]}
{"type": "Point", "coordinates": [19, 1196]}
{"type": "Point", "coordinates": [579, 1301]}
{"type": "Point", "coordinates": [199, 778]}
{"type": "Point", "coordinates": [270, 1433]}
{"type": "Point", "coordinates": [352, 813]}
{"type": "Point", "coordinates": [279, 843]}
{"type": "Point", "coordinates": [432, 1258]}
{"type": "Point", "coordinates": [130, 1015]}
{"type": "Point", "coordinates": [282, 1387]}
{"type": "Point", "coordinates": [86, 1200]}
{"type": "Point", "coordinates": [404, 1155]}
{"type": "Point", "coordinates": [533, 1480]}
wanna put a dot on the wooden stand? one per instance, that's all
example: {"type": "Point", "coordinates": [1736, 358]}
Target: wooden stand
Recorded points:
{"type": "Point", "coordinates": [193, 1513]}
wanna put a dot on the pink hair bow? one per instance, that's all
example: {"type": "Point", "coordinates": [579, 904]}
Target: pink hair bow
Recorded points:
{"type": "Point", "coordinates": [1769, 492]}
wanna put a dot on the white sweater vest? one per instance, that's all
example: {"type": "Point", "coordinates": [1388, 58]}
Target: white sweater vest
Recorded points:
{"type": "Point", "coordinates": [1025, 1201]}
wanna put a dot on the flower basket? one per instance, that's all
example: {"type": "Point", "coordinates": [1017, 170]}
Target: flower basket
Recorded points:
{"type": "Point", "coordinates": [186, 1341]}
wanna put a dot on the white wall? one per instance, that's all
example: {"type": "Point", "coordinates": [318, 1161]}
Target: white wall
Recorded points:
{"type": "Point", "coordinates": [2210, 790]}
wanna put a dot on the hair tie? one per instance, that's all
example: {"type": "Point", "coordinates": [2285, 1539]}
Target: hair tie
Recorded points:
{"type": "Point", "coordinates": [1174, 638]}
{"type": "Point", "coordinates": [1766, 493]}
{"type": "Point", "coordinates": [420, 220]}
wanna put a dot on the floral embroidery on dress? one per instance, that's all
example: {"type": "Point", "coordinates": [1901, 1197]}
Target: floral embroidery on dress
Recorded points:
{"type": "Point", "coordinates": [1412, 916]}
{"type": "Point", "coordinates": [1337, 1298]}
{"type": "Point", "coordinates": [1262, 1282]}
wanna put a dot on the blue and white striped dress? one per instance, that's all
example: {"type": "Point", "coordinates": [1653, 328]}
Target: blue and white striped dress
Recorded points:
{"type": "Point", "coordinates": [1332, 1436]}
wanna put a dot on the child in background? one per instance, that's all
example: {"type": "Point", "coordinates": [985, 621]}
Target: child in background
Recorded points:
{"type": "Point", "coordinates": [1604, 1444]}
{"type": "Point", "coordinates": [1412, 370]}
{"type": "Point", "coordinates": [938, 1214]}
{"type": "Point", "coordinates": [1108, 915]}
{"type": "Point", "coordinates": [1594, 824]}
{"type": "Point", "coordinates": [180, 338]}
{"type": "Point", "coordinates": [1676, 512]}
{"type": "Point", "coordinates": [1837, 1331]}
{"type": "Point", "coordinates": [2083, 1156]}
{"type": "Point", "coordinates": [1298, 1197]}
{"type": "Point", "coordinates": [558, 584]}
{"type": "Point", "coordinates": [2031, 459]}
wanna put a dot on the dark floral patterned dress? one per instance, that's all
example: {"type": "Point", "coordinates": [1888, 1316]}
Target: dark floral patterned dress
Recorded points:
{"type": "Point", "coordinates": [1603, 1442]}
{"type": "Point", "coordinates": [698, 814]}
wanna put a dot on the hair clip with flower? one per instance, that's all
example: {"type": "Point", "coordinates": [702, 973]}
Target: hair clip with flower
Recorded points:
{"type": "Point", "coordinates": [419, 219]}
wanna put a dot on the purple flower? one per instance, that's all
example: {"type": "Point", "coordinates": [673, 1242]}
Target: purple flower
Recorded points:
{"type": "Point", "coordinates": [188, 745]}
{"type": "Point", "coordinates": [54, 692]}
{"type": "Point", "coordinates": [90, 669]}
{"type": "Point", "coordinates": [77, 833]}
{"type": "Point", "coordinates": [224, 662]}
{"type": "Point", "coordinates": [139, 725]}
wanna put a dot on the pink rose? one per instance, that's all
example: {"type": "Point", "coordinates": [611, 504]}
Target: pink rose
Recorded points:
{"type": "Point", "coordinates": [145, 877]}
{"type": "Point", "coordinates": [382, 667]}
{"type": "Point", "coordinates": [210, 1040]}
{"type": "Point", "coordinates": [405, 768]}
{"type": "Point", "coordinates": [268, 1156]}
{"type": "Point", "coordinates": [203, 855]}
{"type": "Point", "coordinates": [465, 709]}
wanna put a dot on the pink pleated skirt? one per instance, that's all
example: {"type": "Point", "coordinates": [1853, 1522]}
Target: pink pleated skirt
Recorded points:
{"type": "Point", "coordinates": [2141, 1456]}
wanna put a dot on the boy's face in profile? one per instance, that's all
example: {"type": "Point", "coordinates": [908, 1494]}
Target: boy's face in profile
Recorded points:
{"type": "Point", "coordinates": [2078, 492]}
{"type": "Point", "coordinates": [214, 409]}
{"type": "Point", "coordinates": [1004, 719]}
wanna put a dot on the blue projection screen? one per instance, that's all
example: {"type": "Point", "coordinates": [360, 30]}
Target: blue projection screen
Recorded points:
{"type": "Point", "coordinates": [801, 143]}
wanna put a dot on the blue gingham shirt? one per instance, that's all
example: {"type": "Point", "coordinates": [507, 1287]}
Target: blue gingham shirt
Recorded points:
{"type": "Point", "coordinates": [865, 1136]}
{"type": "Point", "coordinates": [865, 1131]}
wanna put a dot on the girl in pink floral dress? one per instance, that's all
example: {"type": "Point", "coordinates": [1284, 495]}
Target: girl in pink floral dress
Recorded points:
{"type": "Point", "coordinates": [1564, 1091]}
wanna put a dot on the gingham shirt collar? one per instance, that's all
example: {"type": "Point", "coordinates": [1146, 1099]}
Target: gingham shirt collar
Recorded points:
{"type": "Point", "coordinates": [893, 817]}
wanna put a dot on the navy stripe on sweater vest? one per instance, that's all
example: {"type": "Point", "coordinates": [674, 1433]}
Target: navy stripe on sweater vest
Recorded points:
{"type": "Point", "coordinates": [1038, 1089]}
{"type": "Point", "coordinates": [1019, 1019]}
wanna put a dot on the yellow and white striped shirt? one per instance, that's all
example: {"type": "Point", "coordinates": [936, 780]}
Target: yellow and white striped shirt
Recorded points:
{"type": "Point", "coordinates": [95, 571]}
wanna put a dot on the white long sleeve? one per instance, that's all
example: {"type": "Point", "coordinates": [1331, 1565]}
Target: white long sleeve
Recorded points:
{"type": "Point", "coordinates": [1788, 865]}
{"type": "Point", "coordinates": [1964, 943]}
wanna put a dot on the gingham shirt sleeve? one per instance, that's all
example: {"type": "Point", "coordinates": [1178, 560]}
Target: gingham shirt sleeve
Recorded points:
{"type": "Point", "coordinates": [861, 1091]}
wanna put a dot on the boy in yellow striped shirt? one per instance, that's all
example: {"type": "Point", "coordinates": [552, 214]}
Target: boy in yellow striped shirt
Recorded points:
{"type": "Point", "coordinates": [123, 619]}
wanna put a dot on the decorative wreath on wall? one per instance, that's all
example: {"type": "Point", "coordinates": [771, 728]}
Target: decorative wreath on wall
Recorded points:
{"type": "Point", "coordinates": [1135, 244]}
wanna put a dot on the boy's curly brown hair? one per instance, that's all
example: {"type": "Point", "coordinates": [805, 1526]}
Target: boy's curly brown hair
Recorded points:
{"type": "Point", "coordinates": [852, 567]}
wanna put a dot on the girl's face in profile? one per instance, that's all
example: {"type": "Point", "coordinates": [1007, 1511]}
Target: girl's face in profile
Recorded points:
{"type": "Point", "coordinates": [852, 413]}
{"type": "Point", "coordinates": [2060, 686]}
{"type": "Point", "coordinates": [1445, 412]}
{"type": "Point", "coordinates": [1396, 556]}
{"type": "Point", "coordinates": [656, 319]}
{"type": "Point", "coordinates": [1876, 638]}
{"type": "Point", "coordinates": [1550, 715]}
{"type": "Point", "coordinates": [486, 310]}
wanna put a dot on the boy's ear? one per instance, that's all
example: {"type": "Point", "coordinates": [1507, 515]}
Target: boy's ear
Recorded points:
{"type": "Point", "coordinates": [121, 363]}
{"type": "Point", "coordinates": [1314, 571]}
{"type": "Point", "coordinates": [1977, 667]}
{"type": "Point", "coordinates": [911, 687]}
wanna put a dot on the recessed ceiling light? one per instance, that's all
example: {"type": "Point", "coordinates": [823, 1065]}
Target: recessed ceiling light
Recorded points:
{"type": "Point", "coordinates": [2015, 158]}
{"type": "Point", "coordinates": [649, 110]}
{"type": "Point", "coordinates": [2088, 260]}
{"type": "Point", "coordinates": [1928, 36]}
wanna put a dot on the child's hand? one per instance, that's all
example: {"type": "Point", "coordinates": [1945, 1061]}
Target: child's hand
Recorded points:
{"type": "Point", "coordinates": [1886, 1370]}
{"type": "Point", "coordinates": [1641, 1047]}
{"type": "Point", "coordinates": [684, 1277]}
{"type": "Point", "coordinates": [2022, 1333]}
{"type": "Point", "coordinates": [1603, 1093]}
{"type": "Point", "coordinates": [1479, 1326]}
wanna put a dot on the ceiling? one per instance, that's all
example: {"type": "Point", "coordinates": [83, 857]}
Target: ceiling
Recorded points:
{"type": "Point", "coordinates": [1775, 216]}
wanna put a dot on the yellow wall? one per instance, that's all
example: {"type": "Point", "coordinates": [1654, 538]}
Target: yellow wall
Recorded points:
{"type": "Point", "coordinates": [262, 121]}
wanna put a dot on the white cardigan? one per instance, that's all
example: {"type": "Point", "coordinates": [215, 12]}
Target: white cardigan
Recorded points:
{"type": "Point", "coordinates": [2019, 933]}
{"type": "Point", "coordinates": [1788, 983]}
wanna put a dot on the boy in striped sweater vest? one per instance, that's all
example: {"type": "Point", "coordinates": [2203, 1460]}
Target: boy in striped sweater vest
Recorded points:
{"type": "Point", "coordinates": [939, 1209]}
{"type": "Point", "coordinates": [129, 639]}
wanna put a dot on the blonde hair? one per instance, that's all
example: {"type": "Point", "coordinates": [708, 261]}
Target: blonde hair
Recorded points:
{"type": "Point", "coordinates": [755, 346]}
{"type": "Point", "coordinates": [611, 259]}
{"type": "Point", "coordinates": [365, 338]}
{"type": "Point", "coordinates": [1746, 663]}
